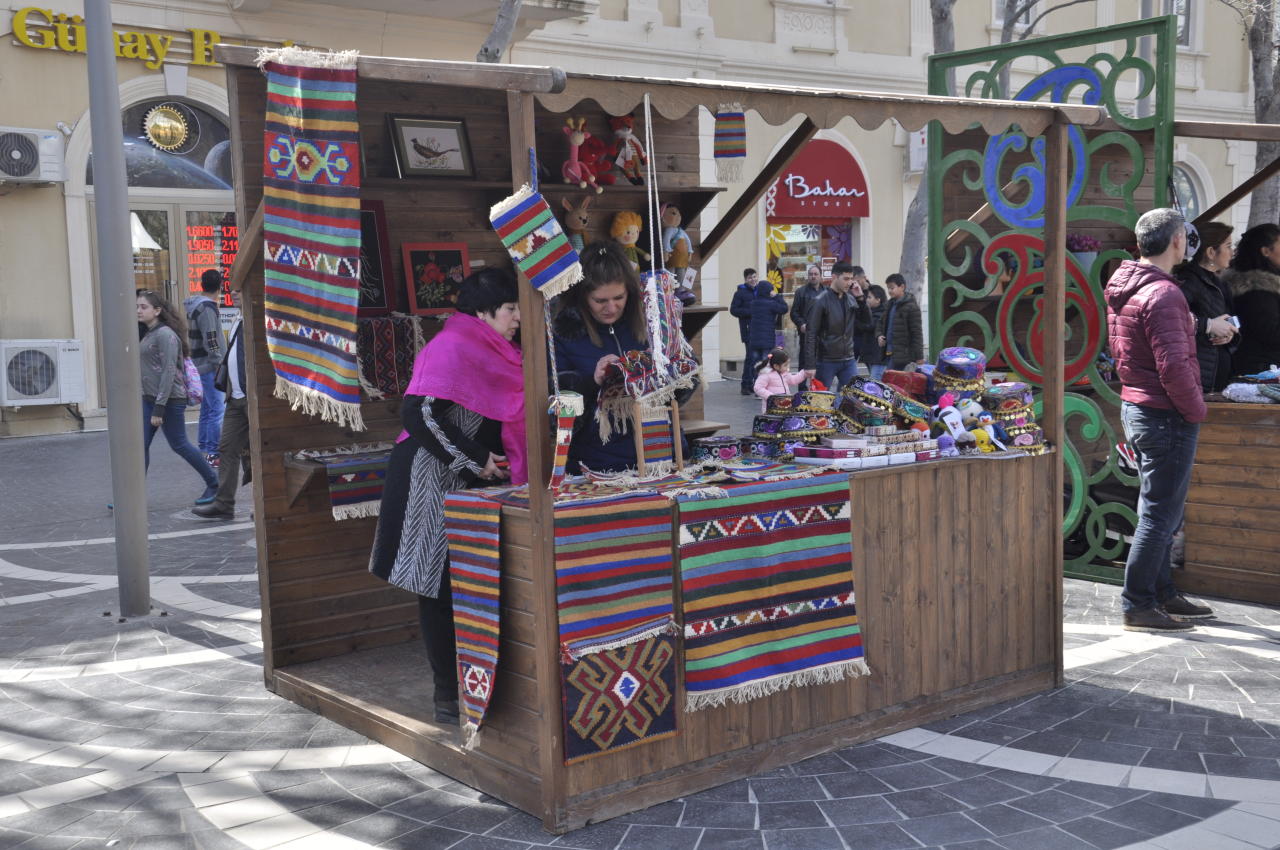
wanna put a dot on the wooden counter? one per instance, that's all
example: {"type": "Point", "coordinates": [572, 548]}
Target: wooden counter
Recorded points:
{"type": "Point", "coordinates": [956, 584]}
{"type": "Point", "coordinates": [1233, 508]}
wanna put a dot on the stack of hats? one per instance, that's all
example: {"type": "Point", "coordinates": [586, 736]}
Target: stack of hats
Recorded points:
{"type": "Point", "coordinates": [805, 416]}
{"type": "Point", "coordinates": [959, 371]}
{"type": "Point", "coordinates": [1013, 406]}
{"type": "Point", "coordinates": [716, 449]}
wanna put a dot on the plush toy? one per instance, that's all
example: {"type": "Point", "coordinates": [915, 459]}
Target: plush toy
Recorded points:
{"type": "Point", "coordinates": [969, 409]}
{"type": "Point", "coordinates": [947, 446]}
{"type": "Point", "coordinates": [576, 219]}
{"type": "Point", "coordinates": [988, 423]}
{"type": "Point", "coordinates": [625, 230]}
{"type": "Point", "coordinates": [946, 419]}
{"type": "Point", "coordinates": [573, 170]}
{"type": "Point", "coordinates": [983, 439]}
{"type": "Point", "coordinates": [677, 247]}
{"type": "Point", "coordinates": [627, 151]}
{"type": "Point", "coordinates": [594, 154]}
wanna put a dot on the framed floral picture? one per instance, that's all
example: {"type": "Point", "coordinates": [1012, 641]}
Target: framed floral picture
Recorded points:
{"type": "Point", "coordinates": [433, 274]}
{"type": "Point", "coordinates": [377, 296]}
{"type": "Point", "coordinates": [430, 147]}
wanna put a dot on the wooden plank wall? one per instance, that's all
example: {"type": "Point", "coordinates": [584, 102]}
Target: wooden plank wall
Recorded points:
{"type": "Point", "coordinates": [954, 571]}
{"type": "Point", "coordinates": [1233, 508]}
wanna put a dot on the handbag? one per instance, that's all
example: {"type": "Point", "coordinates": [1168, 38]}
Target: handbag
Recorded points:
{"type": "Point", "coordinates": [195, 389]}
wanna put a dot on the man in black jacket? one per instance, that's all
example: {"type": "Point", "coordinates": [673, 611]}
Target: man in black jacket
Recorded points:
{"type": "Point", "coordinates": [800, 303]}
{"type": "Point", "coordinates": [740, 308]}
{"type": "Point", "coordinates": [833, 321]}
{"type": "Point", "coordinates": [900, 335]}
{"type": "Point", "coordinates": [235, 427]}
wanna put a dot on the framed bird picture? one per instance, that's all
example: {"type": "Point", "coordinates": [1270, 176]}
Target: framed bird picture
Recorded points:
{"type": "Point", "coordinates": [430, 147]}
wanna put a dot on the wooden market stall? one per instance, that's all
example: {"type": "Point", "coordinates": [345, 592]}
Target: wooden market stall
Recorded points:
{"type": "Point", "coordinates": [957, 564]}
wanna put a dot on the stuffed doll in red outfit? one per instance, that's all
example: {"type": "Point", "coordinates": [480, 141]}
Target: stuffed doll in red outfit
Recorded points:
{"type": "Point", "coordinates": [627, 151]}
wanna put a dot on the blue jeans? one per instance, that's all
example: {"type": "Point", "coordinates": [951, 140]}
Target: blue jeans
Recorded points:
{"type": "Point", "coordinates": [174, 427]}
{"type": "Point", "coordinates": [1165, 444]}
{"type": "Point", "coordinates": [754, 357]}
{"type": "Point", "coordinates": [877, 371]}
{"type": "Point", "coordinates": [828, 370]}
{"type": "Point", "coordinates": [211, 410]}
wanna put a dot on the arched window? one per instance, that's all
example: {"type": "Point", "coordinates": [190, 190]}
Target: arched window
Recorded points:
{"type": "Point", "coordinates": [172, 144]}
{"type": "Point", "coordinates": [1187, 190]}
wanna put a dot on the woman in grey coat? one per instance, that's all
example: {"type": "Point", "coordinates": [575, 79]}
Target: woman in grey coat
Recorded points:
{"type": "Point", "coordinates": [164, 386]}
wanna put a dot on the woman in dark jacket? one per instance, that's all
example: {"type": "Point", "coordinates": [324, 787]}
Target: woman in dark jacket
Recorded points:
{"type": "Point", "coordinates": [766, 307]}
{"type": "Point", "coordinates": [1209, 302]}
{"type": "Point", "coordinates": [598, 321]}
{"type": "Point", "coordinates": [1254, 283]}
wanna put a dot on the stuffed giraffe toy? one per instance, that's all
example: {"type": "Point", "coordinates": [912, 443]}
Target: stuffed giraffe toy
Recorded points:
{"type": "Point", "coordinates": [574, 170]}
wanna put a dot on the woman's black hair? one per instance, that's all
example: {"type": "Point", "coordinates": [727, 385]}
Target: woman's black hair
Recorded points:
{"type": "Point", "coordinates": [487, 290]}
{"type": "Point", "coordinates": [878, 291]}
{"type": "Point", "coordinates": [1249, 256]}
{"type": "Point", "coordinates": [604, 263]}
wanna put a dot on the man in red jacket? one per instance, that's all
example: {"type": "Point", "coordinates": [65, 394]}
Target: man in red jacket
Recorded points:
{"type": "Point", "coordinates": [1152, 337]}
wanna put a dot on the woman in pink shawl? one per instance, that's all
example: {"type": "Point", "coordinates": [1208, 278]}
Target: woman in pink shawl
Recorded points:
{"type": "Point", "coordinates": [463, 415]}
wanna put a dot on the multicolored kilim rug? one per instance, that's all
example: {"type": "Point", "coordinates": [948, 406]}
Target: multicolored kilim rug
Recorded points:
{"type": "Point", "coordinates": [655, 437]}
{"type": "Point", "coordinates": [471, 525]}
{"type": "Point", "coordinates": [730, 142]}
{"type": "Point", "coordinates": [613, 573]}
{"type": "Point", "coordinates": [355, 483]}
{"type": "Point", "coordinates": [311, 230]}
{"type": "Point", "coordinates": [532, 236]}
{"type": "Point", "coordinates": [619, 698]}
{"type": "Point", "coordinates": [386, 347]}
{"type": "Point", "coordinates": [767, 587]}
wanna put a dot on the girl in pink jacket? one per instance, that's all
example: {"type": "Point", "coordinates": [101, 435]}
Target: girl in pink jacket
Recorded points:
{"type": "Point", "coordinates": [774, 379]}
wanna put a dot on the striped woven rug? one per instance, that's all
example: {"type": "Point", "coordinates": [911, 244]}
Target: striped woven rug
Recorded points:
{"type": "Point", "coordinates": [471, 525]}
{"type": "Point", "coordinates": [311, 230]}
{"type": "Point", "coordinates": [767, 590]}
{"type": "Point", "coordinates": [613, 573]}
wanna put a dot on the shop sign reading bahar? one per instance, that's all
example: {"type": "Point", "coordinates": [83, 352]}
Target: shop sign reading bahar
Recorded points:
{"type": "Point", "coordinates": [45, 29]}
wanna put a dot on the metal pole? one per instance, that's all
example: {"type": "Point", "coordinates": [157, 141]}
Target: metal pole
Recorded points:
{"type": "Point", "coordinates": [1146, 9]}
{"type": "Point", "coordinates": [119, 315]}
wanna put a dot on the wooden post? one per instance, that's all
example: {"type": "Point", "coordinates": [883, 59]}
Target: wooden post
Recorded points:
{"type": "Point", "coordinates": [533, 341]}
{"type": "Point", "coordinates": [637, 434]}
{"type": "Point", "coordinates": [677, 450]}
{"type": "Point", "coordinates": [1054, 322]}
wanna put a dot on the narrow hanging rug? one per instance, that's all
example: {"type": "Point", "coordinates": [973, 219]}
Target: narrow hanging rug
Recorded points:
{"type": "Point", "coordinates": [471, 527]}
{"type": "Point", "coordinates": [613, 573]}
{"type": "Point", "coordinates": [355, 483]}
{"type": "Point", "coordinates": [311, 230]}
{"type": "Point", "coordinates": [730, 142]}
{"type": "Point", "coordinates": [619, 698]}
{"type": "Point", "coordinates": [767, 586]}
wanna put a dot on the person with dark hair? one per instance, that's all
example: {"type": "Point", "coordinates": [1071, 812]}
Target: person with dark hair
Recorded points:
{"type": "Point", "coordinates": [835, 318]}
{"type": "Point", "coordinates": [1152, 337]}
{"type": "Point", "coordinates": [868, 347]}
{"type": "Point", "coordinates": [801, 300]}
{"type": "Point", "coordinates": [740, 307]}
{"type": "Point", "coordinates": [595, 324]}
{"type": "Point", "coordinates": [1254, 283]}
{"type": "Point", "coordinates": [234, 440]}
{"type": "Point", "coordinates": [766, 307]}
{"type": "Point", "coordinates": [899, 333]}
{"type": "Point", "coordinates": [463, 415]}
{"type": "Point", "coordinates": [1210, 303]}
{"type": "Point", "coordinates": [164, 385]}
{"type": "Point", "coordinates": [208, 348]}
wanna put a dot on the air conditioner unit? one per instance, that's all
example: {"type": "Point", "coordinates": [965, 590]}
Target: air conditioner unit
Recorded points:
{"type": "Point", "coordinates": [41, 371]}
{"type": "Point", "coordinates": [31, 156]}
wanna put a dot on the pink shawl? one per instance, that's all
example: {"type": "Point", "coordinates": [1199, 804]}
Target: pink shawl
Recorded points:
{"type": "Point", "coordinates": [469, 363]}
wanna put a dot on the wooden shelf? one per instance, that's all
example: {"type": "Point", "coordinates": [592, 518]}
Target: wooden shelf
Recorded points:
{"type": "Point", "coordinates": [696, 317]}
{"type": "Point", "coordinates": [694, 428]}
{"type": "Point", "coordinates": [297, 475]}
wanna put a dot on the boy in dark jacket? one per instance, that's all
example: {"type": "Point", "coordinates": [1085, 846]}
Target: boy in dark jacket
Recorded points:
{"type": "Point", "coordinates": [766, 307]}
{"type": "Point", "coordinates": [1152, 337]}
{"type": "Point", "coordinates": [900, 337]}
{"type": "Point", "coordinates": [740, 308]}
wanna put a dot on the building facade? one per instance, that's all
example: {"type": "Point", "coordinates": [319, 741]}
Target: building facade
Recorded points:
{"type": "Point", "coordinates": [845, 197]}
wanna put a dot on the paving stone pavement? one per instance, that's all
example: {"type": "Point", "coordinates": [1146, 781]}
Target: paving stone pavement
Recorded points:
{"type": "Point", "coordinates": [157, 732]}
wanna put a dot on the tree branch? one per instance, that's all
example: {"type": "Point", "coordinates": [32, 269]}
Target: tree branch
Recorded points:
{"type": "Point", "coordinates": [504, 26]}
{"type": "Point", "coordinates": [1038, 18]}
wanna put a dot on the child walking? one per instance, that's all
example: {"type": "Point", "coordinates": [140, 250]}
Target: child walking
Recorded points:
{"type": "Point", "coordinates": [774, 379]}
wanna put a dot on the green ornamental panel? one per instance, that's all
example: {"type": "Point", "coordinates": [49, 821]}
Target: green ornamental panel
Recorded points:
{"type": "Point", "coordinates": [986, 240]}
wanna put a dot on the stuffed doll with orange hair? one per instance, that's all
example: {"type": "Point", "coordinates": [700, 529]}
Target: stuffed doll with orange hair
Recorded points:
{"type": "Point", "coordinates": [625, 230]}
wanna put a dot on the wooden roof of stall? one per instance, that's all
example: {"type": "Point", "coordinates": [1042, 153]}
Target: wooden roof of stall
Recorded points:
{"type": "Point", "coordinates": [674, 98]}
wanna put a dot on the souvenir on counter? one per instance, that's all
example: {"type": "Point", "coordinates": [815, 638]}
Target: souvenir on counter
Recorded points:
{"type": "Point", "coordinates": [907, 408]}
{"type": "Point", "coordinates": [815, 401]}
{"type": "Point", "coordinates": [761, 449]}
{"type": "Point", "coordinates": [969, 410]}
{"type": "Point", "coordinates": [959, 371]}
{"type": "Point", "coordinates": [869, 395]}
{"type": "Point", "coordinates": [808, 425]}
{"type": "Point", "coordinates": [780, 404]}
{"type": "Point", "coordinates": [913, 384]}
{"type": "Point", "coordinates": [718, 449]}
{"type": "Point", "coordinates": [767, 425]}
{"type": "Point", "coordinates": [1009, 399]}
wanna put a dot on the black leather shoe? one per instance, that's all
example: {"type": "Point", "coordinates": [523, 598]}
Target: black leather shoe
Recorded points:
{"type": "Point", "coordinates": [447, 711]}
{"type": "Point", "coordinates": [214, 511]}
{"type": "Point", "coordinates": [1181, 606]}
{"type": "Point", "coordinates": [1153, 620]}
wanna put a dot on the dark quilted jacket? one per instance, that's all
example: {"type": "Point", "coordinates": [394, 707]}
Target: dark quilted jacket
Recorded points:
{"type": "Point", "coordinates": [1257, 303]}
{"type": "Point", "coordinates": [1152, 338]}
